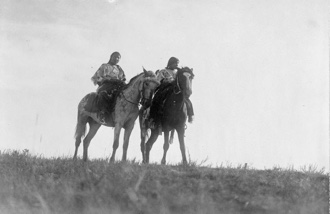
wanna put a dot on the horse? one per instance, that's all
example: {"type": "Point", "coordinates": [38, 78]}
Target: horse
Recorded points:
{"type": "Point", "coordinates": [173, 119]}
{"type": "Point", "coordinates": [139, 89]}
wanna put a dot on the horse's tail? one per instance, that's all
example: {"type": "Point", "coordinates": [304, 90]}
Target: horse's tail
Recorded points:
{"type": "Point", "coordinates": [81, 123]}
{"type": "Point", "coordinates": [80, 127]}
{"type": "Point", "coordinates": [172, 136]}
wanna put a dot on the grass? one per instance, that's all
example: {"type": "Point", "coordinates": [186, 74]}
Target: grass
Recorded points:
{"type": "Point", "coordinates": [32, 184]}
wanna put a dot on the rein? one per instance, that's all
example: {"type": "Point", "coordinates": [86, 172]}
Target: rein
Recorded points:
{"type": "Point", "coordinates": [129, 100]}
{"type": "Point", "coordinates": [177, 83]}
{"type": "Point", "coordinates": [141, 100]}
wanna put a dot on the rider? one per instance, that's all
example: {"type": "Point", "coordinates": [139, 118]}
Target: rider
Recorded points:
{"type": "Point", "coordinates": [109, 71]}
{"type": "Point", "coordinates": [168, 74]}
{"type": "Point", "coordinates": [165, 76]}
{"type": "Point", "coordinates": [109, 77]}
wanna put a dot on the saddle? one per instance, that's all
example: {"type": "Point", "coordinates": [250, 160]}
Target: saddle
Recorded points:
{"type": "Point", "coordinates": [105, 97]}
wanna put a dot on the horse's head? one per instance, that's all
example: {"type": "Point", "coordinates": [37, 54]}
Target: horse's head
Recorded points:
{"type": "Point", "coordinates": [148, 86]}
{"type": "Point", "coordinates": [184, 79]}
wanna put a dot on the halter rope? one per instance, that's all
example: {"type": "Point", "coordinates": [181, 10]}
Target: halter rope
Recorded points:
{"type": "Point", "coordinates": [177, 83]}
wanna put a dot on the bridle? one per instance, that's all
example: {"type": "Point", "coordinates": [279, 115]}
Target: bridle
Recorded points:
{"type": "Point", "coordinates": [177, 82]}
{"type": "Point", "coordinates": [141, 91]}
{"type": "Point", "coordinates": [144, 99]}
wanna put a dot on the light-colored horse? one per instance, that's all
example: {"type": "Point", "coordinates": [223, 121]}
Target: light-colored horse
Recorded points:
{"type": "Point", "coordinates": [173, 118]}
{"type": "Point", "coordinates": [140, 87]}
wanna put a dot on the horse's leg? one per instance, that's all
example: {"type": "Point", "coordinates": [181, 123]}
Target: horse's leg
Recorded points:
{"type": "Point", "coordinates": [78, 141]}
{"type": "Point", "coordinates": [143, 134]}
{"type": "Point", "coordinates": [127, 134]}
{"type": "Point", "coordinates": [181, 132]}
{"type": "Point", "coordinates": [166, 146]}
{"type": "Point", "coordinates": [151, 140]}
{"type": "Point", "coordinates": [93, 127]}
{"type": "Point", "coordinates": [115, 142]}
{"type": "Point", "coordinates": [142, 145]}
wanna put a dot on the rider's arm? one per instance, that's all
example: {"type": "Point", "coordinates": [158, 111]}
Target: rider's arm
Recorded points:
{"type": "Point", "coordinates": [165, 76]}
{"type": "Point", "coordinates": [160, 75]}
{"type": "Point", "coordinates": [121, 74]}
{"type": "Point", "coordinates": [98, 76]}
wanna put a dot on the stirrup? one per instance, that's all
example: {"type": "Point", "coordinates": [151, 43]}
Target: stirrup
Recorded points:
{"type": "Point", "coordinates": [102, 121]}
{"type": "Point", "coordinates": [101, 117]}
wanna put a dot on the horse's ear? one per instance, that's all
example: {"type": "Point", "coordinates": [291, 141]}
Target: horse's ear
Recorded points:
{"type": "Point", "coordinates": [144, 70]}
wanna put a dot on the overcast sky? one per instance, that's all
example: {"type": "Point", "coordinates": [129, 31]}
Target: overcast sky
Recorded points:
{"type": "Point", "coordinates": [261, 90]}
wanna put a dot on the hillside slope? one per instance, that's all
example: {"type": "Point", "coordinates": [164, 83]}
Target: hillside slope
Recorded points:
{"type": "Point", "coordinates": [31, 184]}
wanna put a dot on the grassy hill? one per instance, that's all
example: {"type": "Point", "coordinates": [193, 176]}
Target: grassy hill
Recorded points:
{"type": "Point", "coordinates": [32, 184]}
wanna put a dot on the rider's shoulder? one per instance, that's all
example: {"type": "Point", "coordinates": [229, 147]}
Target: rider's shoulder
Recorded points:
{"type": "Point", "coordinates": [104, 65]}
{"type": "Point", "coordinates": [107, 66]}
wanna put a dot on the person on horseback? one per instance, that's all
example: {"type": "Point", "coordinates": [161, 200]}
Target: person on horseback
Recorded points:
{"type": "Point", "coordinates": [166, 77]}
{"type": "Point", "coordinates": [110, 77]}
{"type": "Point", "coordinates": [168, 74]}
{"type": "Point", "coordinates": [109, 71]}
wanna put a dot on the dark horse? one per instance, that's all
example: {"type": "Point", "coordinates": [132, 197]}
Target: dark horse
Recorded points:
{"type": "Point", "coordinates": [140, 87]}
{"type": "Point", "coordinates": [173, 118]}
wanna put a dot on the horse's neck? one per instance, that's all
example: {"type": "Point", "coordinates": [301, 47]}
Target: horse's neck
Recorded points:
{"type": "Point", "coordinates": [132, 91]}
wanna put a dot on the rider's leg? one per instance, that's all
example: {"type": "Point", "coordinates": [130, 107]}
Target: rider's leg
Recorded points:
{"type": "Point", "coordinates": [190, 110]}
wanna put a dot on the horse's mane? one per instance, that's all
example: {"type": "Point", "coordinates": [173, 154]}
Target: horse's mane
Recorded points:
{"type": "Point", "coordinates": [134, 78]}
{"type": "Point", "coordinates": [147, 74]}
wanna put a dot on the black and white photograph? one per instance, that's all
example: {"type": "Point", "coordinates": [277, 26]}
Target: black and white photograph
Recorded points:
{"type": "Point", "coordinates": [164, 106]}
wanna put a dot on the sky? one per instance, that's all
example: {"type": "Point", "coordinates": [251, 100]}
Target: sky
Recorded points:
{"type": "Point", "coordinates": [260, 92]}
